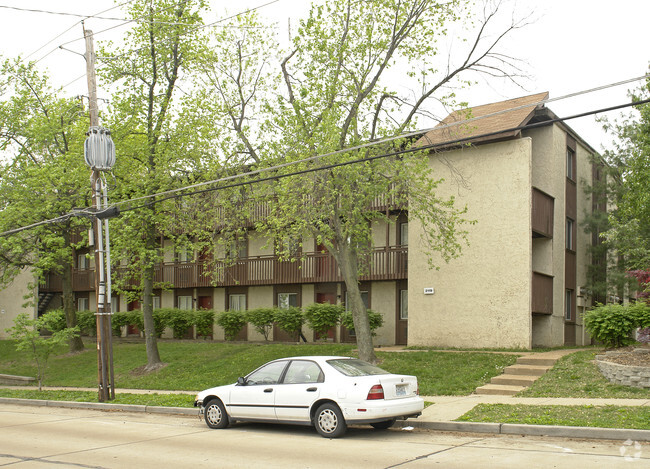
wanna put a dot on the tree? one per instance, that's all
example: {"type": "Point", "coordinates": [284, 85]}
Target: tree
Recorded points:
{"type": "Point", "coordinates": [28, 336]}
{"type": "Point", "coordinates": [155, 150]}
{"type": "Point", "coordinates": [629, 233]}
{"type": "Point", "coordinates": [45, 177]}
{"type": "Point", "coordinates": [334, 91]}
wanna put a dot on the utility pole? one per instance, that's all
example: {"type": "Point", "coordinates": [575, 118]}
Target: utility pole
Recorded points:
{"type": "Point", "coordinates": [97, 150]}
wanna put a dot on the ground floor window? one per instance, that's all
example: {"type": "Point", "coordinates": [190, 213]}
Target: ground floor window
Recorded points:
{"type": "Point", "coordinates": [403, 304]}
{"type": "Point", "coordinates": [287, 300]}
{"type": "Point", "coordinates": [237, 302]}
{"type": "Point", "coordinates": [568, 312]}
{"type": "Point", "coordinates": [185, 302]}
{"type": "Point", "coordinates": [82, 304]}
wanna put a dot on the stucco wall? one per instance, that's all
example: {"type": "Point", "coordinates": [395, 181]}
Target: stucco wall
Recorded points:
{"type": "Point", "coordinates": [12, 299]}
{"type": "Point", "coordinates": [383, 298]}
{"type": "Point", "coordinates": [481, 299]}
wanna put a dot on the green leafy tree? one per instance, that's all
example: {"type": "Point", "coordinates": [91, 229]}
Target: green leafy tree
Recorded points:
{"type": "Point", "coordinates": [43, 177]}
{"type": "Point", "coordinates": [333, 91]}
{"type": "Point", "coordinates": [629, 233]}
{"type": "Point", "coordinates": [28, 336]}
{"type": "Point", "coordinates": [155, 151]}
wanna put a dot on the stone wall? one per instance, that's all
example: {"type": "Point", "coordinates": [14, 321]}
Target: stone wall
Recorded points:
{"type": "Point", "coordinates": [627, 375]}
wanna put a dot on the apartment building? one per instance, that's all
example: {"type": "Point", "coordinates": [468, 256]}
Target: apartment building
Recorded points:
{"type": "Point", "coordinates": [519, 282]}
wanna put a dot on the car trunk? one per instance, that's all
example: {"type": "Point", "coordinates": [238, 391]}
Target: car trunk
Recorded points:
{"type": "Point", "coordinates": [398, 387]}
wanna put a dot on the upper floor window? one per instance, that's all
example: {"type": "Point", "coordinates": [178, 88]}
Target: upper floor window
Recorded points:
{"type": "Point", "coordinates": [570, 234]}
{"type": "Point", "coordinates": [184, 255]}
{"type": "Point", "coordinates": [83, 263]}
{"type": "Point", "coordinates": [570, 164]}
{"type": "Point", "coordinates": [404, 234]}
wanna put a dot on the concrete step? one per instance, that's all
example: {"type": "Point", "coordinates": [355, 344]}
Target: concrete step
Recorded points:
{"type": "Point", "coordinates": [532, 360]}
{"type": "Point", "coordinates": [499, 389]}
{"type": "Point", "coordinates": [528, 370]}
{"type": "Point", "coordinates": [514, 380]}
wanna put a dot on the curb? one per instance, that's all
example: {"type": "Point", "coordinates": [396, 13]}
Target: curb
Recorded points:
{"type": "Point", "coordinates": [594, 433]}
{"type": "Point", "coordinates": [462, 427]}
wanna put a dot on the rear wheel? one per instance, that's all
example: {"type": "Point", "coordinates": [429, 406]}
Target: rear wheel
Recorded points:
{"type": "Point", "coordinates": [329, 421]}
{"type": "Point", "coordinates": [384, 424]}
{"type": "Point", "coordinates": [215, 414]}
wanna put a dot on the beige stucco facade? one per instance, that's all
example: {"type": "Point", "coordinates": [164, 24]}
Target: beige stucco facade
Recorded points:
{"type": "Point", "coordinates": [12, 301]}
{"type": "Point", "coordinates": [482, 298]}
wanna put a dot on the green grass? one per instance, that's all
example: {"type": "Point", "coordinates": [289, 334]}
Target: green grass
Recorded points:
{"type": "Point", "coordinates": [155, 399]}
{"type": "Point", "coordinates": [197, 365]}
{"type": "Point", "coordinates": [576, 375]}
{"type": "Point", "coordinates": [573, 416]}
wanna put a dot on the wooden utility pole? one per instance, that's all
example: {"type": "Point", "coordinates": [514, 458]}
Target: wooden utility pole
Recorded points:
{"type": "Point", "coordinates": [106, 388]}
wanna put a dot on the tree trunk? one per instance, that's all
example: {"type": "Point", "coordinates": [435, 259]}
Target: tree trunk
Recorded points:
{"type": "Point", "coordinates": [348, 262]}
{"type": "Point", "coordinates": [75, 344]}
{"type": "Point", "coordinates": [153, 357]}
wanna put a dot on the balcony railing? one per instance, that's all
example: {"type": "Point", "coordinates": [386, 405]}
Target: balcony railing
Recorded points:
{"type": "Point", "coordinates": [382, 264]}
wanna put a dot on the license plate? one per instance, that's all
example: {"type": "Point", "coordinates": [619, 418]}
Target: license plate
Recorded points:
{"type": "Point", "coordinates": [400, 390]}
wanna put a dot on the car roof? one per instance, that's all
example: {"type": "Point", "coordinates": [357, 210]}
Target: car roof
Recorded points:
{"type": "Point", "coordinates": [318, 358]}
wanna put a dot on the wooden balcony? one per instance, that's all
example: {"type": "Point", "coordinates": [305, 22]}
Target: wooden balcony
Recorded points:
{"type": "Point", "coordinates": [383, 264]}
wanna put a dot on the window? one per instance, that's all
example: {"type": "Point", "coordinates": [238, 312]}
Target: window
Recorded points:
{"type": "Point", "coordinates": [404, 234]}
{"type": "Point", "coordinates": [82, 304]}
{"type": "Point", "coordinates": [303, 371]}
{"type": "Point", "coordinates": [364, 297]}
{"type": "Point", "coordinates": [185, 302]}
{"type": "Point", "coordinates": [156, 302]}
{"type": "Point", "coordinates": [403, 304]}
{"type": "Point", "coordinates": [268, 374]}
{"type": "Point", "coordinates": [568, 311]}
{"type": "Point", "coordinates": [570, 234]}
{"type": "Point", "coordinates": [287, 300]}
{"type": "Point", "coordinates": [570, 164]}
{"type": "Point", "coordinates": [238, 249]}
{"type": "Point", "coordinates": [83, 263]}
{"type": "Point", "coordinates": [237, 302]}
{"type": "Point", "coordinates": [184, 255]}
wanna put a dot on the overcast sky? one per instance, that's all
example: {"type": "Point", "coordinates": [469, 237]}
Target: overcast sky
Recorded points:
{"type": "Point", "coordinates": [572, 45]}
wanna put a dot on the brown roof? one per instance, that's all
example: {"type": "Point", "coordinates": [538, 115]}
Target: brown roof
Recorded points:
{"type": "Point", "coordinates": [501, 116]}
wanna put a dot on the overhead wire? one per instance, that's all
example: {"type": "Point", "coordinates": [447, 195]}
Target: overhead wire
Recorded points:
{"type": "Point", "coordinates": [167, 195]}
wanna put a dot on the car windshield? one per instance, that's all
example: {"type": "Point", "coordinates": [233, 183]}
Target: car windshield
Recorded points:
{"type": "Point", "coordinates": [354, 367]}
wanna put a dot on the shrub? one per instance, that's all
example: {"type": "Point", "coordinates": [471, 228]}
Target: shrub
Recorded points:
{"type": "Point", "coordinates": [376, 320]}
{"type": "Point", "coordinates": [178, 320]}
{"type": "Point", "coordinates": [55, 321]}
{"type": "Point", "coordinates": [611, 324]}
{"type": "Point", "coordinates": [290, 320]}
{"type": "Point", "coordinates": [321, 317]}
{"type": "Point", "coordinates": [204, 321]}
{"type": "Point", "coordinates": [87, 322]}
{"type": "Point", "coordinates": [262, 320]}
{"type": "Point", "coordinates": [231, 322]}
{"type": "Point", "coordinates": [641, 313]}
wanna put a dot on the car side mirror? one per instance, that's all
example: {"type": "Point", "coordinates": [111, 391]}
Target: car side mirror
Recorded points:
{"type": "Point", "coordinates": [241, 381]}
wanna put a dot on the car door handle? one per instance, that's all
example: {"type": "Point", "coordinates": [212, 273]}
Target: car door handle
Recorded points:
{"type": "Point", "coordinates": [312, 389]}
{"type": "Point", "coordinates": [268, 390]}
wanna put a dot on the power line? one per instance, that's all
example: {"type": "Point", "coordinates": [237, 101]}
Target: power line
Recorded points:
{"type": "Point", "coordinates": [456, 142]}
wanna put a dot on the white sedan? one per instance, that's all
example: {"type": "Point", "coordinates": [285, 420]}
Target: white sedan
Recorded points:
{"type": "Point", "coordinates": [327, 392]}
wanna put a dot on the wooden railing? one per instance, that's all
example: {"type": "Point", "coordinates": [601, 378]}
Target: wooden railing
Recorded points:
{"type": "Point", "coordinates": [382, 264]}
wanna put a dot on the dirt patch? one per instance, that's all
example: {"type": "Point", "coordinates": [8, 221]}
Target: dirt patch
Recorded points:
{"type": "Point", "coordinates": [633, 356]}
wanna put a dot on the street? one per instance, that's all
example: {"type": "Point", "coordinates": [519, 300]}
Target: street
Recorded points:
{"type": "Point", "coordinates": [46, 437]}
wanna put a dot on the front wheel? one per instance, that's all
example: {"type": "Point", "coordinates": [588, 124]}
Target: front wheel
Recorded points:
{"type": "Point", "coordinates": [329, 421]}
{"type": "Point", "coordinates": [215, 414]}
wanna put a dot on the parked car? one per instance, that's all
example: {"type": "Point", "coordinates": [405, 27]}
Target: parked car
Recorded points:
{"type": "Point", "coordinates": [327, 392]}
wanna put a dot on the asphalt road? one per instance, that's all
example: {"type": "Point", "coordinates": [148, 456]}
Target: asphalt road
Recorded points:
{"type": "Point", "coordinates": [45, 437]}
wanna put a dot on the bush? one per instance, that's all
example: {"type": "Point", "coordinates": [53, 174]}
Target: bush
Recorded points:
{"type": "Point", "coordinates": [321, 317]}
{"type": "Point", "coordinates": [641, 313]}
{"type": "Point", "coordinates": [290, 320]}
{"type": "Point", "coordinates": [204, 321]}
{"type": "Point", "coordinates": [231, 322]}
{"type": "Point", "coordinates": [262, 320]}
{"type": "Point", "coordinates": [611, 324]}
{"type": "Point", "coordinates": [376, 320]}
{"type": "Point", "coordinates": [55, 321]}
{"type": "Point", "coordinates": [87, 322]}
{"type": "Point", "coordinates": [178, 320]}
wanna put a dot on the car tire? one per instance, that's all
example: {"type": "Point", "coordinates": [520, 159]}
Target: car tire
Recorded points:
{"type": "Point", "coordinates": [329, 421]}
{"type": "Point", "coordinates": [383, 425]}
{"type": "Point", "coordinates": [215, 415]}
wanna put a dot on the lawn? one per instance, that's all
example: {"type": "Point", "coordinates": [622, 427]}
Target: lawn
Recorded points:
{"type": "Point", "coordinates": [196, 365]}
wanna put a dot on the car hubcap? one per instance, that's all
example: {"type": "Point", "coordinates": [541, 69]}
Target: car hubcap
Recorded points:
{"type": "Point", "coordinates": [214, 414]}
{"type": "Point", "coordinates": [327, 421]}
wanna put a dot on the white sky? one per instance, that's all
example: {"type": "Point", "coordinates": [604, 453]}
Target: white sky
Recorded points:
{"type": "Point", "coordinates": [573, 45]}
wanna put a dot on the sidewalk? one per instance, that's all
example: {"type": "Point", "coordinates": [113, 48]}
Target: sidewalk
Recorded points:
{"type": "Point", "coordinates": [439, 416]}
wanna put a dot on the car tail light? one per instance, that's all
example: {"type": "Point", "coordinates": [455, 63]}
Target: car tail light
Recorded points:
{"type": "Point", "coordinates": [376, 392]}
